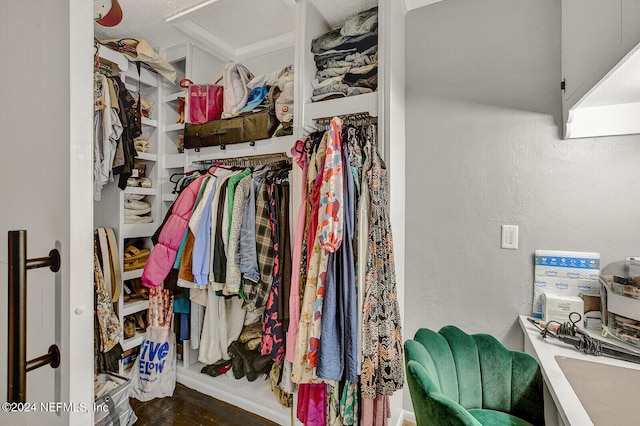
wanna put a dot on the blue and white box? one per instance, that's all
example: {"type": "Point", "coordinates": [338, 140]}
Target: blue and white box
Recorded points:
{"type": "Point", "coordinates": [566, 273]}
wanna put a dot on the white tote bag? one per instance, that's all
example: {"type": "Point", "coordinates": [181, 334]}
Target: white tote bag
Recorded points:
{"type": "Point", "coordinates": [235, 78]}
{"type": "Point", "coordinates": [154, 371]}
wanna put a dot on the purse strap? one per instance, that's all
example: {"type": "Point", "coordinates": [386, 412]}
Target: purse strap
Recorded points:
{"type": "Point", "coordinates": [185, 83]}
{"type": "Point", "coordinates": [110, 263]}
{"type": "Point", "coordinates": [115, 263]}
{"type": "Point", "coordinates": [123, 47]}
{"type": "Point", "coordinates": [106, 261]}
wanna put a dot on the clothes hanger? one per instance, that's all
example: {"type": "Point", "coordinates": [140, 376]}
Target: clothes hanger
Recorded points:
{"type": "Point", "coordinates": [218, 165]}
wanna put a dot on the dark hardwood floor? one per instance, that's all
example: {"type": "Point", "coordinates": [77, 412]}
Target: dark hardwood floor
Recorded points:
{"type": "Point", "coordinates": [188, 407]}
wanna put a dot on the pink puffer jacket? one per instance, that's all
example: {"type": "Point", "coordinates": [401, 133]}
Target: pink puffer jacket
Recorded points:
{"type": "Point", "coordinates": [163, 255]}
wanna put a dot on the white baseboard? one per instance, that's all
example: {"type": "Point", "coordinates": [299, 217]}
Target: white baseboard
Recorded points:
{"type": "Point", "coordinates": [408, 416]}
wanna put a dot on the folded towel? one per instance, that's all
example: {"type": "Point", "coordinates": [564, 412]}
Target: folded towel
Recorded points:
{"type": "Point", "coordinates": [136, 212]}
{"type": "Point", "coordinates": [137, 219]}
{"type": "Point", "coordinates": [136, 205]}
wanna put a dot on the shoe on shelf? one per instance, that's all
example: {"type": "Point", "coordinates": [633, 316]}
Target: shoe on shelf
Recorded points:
{"type": "Point", "coordinates": [129, 327]}
{"type": "Point", "coordinates": [132, 253]}
{"type": "Point", "coordinates": [237, 360]}
{"type": "Point", "coordinates": [261, 365]}
{"type": "Point", "coordinates": [253, 364]}
{"type": "Point", "coordinates": [217, 368]}
{"type": "Point", "coordinates": [141, 322]}
{"type": "Point", "coordinates": [138, 291]}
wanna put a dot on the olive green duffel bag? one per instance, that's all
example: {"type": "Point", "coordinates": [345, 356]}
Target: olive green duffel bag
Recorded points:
{"type": "Point", "coordinates": [247, 127]}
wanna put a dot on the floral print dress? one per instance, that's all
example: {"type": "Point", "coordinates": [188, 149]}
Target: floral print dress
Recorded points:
{"type": "Point", "coordinates": [382, 368]}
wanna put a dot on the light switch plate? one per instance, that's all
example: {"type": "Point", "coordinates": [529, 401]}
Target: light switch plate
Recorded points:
{"type": "Point", "coordinates": [509, 237]}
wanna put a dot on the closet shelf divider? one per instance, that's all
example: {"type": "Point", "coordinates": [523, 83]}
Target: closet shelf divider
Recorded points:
{"type": "Point", "coordinates": [135, 306]}
{"type": "Point", "coordinates": [129, 275]}
{"type": "Point", "coordinates": [146, 78]}
{"type": "Point", "coordinates": [147, 156]}
{"type": "Point", "coordinates": [138, 190]}
{"type": "Point", "coordinates": [112, 56]}
{"type": "Point", "coordinates": [343, 106]}
{"type": "Point", "coordinates": [173, 127]}
{"type": "Point", "coordinates": [134, 341]}
{"type": "Point", "coordinates": [149, 122]}
{"type": "Point", "coordinates": [174, 161]}
{"type": "Point", "coordinates": [173, 97]}
{"type": "Point", "coordinates": [138, 230]}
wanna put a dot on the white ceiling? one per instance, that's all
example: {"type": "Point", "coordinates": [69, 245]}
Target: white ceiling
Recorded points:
{"type": "Point", "coordinates": [146, 19]}
{"type": "Point", "coordinates": [229, 28]}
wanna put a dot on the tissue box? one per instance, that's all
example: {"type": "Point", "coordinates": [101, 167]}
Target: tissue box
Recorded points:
{"type": "Point", "coordinates": [557, 307]}
{"type": "Point", "coordinates": [564, 273]}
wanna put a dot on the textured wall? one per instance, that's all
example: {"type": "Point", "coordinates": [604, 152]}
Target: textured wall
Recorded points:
{"type": "Point", "coordinates": [483, 149]}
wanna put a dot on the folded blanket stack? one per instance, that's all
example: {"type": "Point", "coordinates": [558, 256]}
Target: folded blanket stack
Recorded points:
{"type": "Point", "coordinates": [136, 210]}
{"type": "Point", "coordinates": [347, 58]}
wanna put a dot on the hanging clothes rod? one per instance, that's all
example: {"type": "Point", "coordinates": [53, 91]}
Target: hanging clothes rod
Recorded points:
{"type": "Point", "coordinates": [360, 116]}
{"type": "Point", "coordinates": [356, 119]}
{"type": "Point", "coordinates": [247, 160]}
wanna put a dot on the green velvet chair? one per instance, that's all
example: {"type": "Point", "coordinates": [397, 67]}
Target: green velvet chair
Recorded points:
{"type": "Point", "coordinates": [460, 379]}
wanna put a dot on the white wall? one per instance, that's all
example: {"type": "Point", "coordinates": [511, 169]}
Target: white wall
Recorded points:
{"type": "Point", "coordinates": [483, 149]}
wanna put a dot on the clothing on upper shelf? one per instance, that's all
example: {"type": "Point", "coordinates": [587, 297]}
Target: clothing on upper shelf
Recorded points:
{"type": "Point", "coordinates": [347, 58]}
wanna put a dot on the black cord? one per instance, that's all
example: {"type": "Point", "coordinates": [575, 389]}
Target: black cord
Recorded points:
{"type": "Point", "coordinates": [569, 332]}
{"type": "Point", "coordinates": [568, 328]}
{"type": "Point", "coordinates": [589, 345]}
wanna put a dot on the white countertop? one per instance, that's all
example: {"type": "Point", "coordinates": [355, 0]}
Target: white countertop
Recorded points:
{"type": "Point", "coordinates": [545, 350]}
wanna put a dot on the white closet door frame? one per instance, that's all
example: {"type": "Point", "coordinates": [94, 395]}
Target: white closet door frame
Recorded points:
{"type": "Point", "coordinates": [46, 170]}
{"type": "Point", "coordinates": [79, 384]}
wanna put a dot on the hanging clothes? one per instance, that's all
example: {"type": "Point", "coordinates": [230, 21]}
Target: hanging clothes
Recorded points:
{"type": "Point", "coordinates": [312, 404]}
{"type": "Point", "coordinates": [330, 228]}
{"type": "Point", "coordinates": [338, 356]}
{"type": "Point", "coordinates": [272, 342]}
{"type": "Point", "coordinates": [164, 253]}
{"type": "Point", "coordinates": [300, 158]}
{"type": "Point", "coordinates": [131, 129]}
{"type": "Point", "coordinates": [234, 276]}
{"type": "Point", "coordinates": [382, 369]}
{"type": "Point", "coordinates": [302, 370]}
{"type": "Point", "coordinates": [224, 316]}
{"type": "Point", "coordinates": [348, 325]}
{"type": "Point", "coordinates": [214, 207]}
{"type": "Point", "coordinates": [255, 219]}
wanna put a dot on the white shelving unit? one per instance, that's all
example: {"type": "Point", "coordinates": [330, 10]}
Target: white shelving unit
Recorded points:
{"type": "Point", "coordinates": [134, 341]}
{"type": "Point", "coordinates": [109, 212]}
{"type": "Point", "coordinates": [129, 275]}
{"type": "Point", "coordinates": [149, 122]}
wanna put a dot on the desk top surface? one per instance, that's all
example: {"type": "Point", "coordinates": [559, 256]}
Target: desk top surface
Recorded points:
{"type": "Point", "coordinates": [567, 401]}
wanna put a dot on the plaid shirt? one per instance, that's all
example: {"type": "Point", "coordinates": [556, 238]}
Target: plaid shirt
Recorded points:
{"type": "Point", "coordinates": [256, 294]}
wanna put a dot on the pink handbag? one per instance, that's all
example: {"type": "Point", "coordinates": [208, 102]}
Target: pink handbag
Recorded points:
{"type": "Point", "coordinates": [204, 101]}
